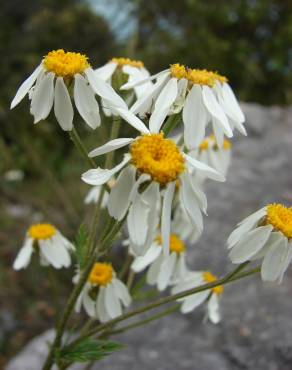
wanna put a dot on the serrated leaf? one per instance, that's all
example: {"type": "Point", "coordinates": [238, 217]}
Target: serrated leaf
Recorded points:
{"type": "Point", "coordinates": [81, 244]}
{"type": "Point", "coordinates": [88, 350]}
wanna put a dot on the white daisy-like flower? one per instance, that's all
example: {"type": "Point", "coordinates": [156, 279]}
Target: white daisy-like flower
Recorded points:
{"type": "Point", "coordinates": [53, 248]}
{"type": "Point", "coordinates": [212, 296]}
{"type": "Point", "coordinates": [134, 70]}
{"type": "Point", "coordinates": [210, 153]}
{"type": "Point", "coordinates": [163, 270]}
{"type": "Point", "coordinates": [103, 295]}
{"type": "Point", "coordinates": [51, 81]}
{"type": "Point", "coordinates": [265, 234]}
{"type": "Point", "coordinates": [203, 97]}
{"type": "Point", "coordinates": [150, 172]}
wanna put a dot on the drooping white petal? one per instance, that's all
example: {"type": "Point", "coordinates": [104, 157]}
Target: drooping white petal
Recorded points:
{"type": "Point", "coordinates": [195, 118]}
{"type": "Point", "coordinates": [256, 216]}
{"type": "Point", "coordinates": [166, 270]}
{"type": "Point", "coordinates": [166, 215]}
{"type": "Point", "coordinates": [25, 86]}
{"type": "Point", "coordinates": [190, 203]}
{"type": "Point", "coordinates": [273, 262]}
{"type": "Point", "coordinates": [85, 102]}
{"type": "Point", "coordinates": [119, 198]}
{"type": "Point", "coordinates": [131, 119]}
{"type": "Point", "coordinates": [215, 109]}
{"type": "Point", "coordinates": [105, 72]}
{"type": "Point", "coordinates": [137, 221]}
{"type": "Point", "coordinates": [112, 303]}
{"type": "Point", "coordinates": [218, 132]}
{"type": "Point", "coordinates": [130, 85]}
{"type": "Point", "coordinates": [250, 244]}
{"type": "Point", "coordinates": [193, 301]}
{"type": "Point", "coordinates": [62, 105]}
{"type": "Point", "coordinates": [122, 292]}
{"type": "Point", "coordinates": [24, 255]}
{"type": "Point", "coordinates": [234, 111]}
{"type": "Point", "coordinates": [55, 253]}
{"type": "Point", "coordinates": [274, 238]}
{"type": "Point", "coordinates": [163, 104]}
{"type": "Point", "coordinates": [153, 271]}
{"type": "Point", "coordinates": [286, 262]}
{"type": "Point", "coordinates": [104, 90]}
{"type": "Point", "coordinates": [43, 98]}
{"type": "Point", "coordinates": [110, 146]}
{"type": "Point", "coordinates": [100, 176]}
{"type": "Point", "coordinates": [141, 262]}
{"type": "Point", "coordinates": [89, 305]}
{"type": "Point", "coordinates": [214, 309]}
{"type": "Point", "coordinates": [204, 168]}
{"type": "Point", "coordinates": [101, 311]}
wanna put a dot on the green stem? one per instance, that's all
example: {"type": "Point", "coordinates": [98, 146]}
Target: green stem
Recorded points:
{"type": "Point", "coordinates": [225, 280]}
{"type": "Point", "coordinates": [81, 148]}
{"type": "Point", "coordinates": [171, 123]}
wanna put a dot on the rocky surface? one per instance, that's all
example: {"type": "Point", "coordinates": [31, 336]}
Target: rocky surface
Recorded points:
{"type": "Point", "coordinates": [256, 332]}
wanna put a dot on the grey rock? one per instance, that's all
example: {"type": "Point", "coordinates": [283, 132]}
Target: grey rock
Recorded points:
{"type": "Point", "coordinates": [256, 331]}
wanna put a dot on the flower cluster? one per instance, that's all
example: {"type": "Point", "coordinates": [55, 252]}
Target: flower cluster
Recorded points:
{"type": "Point", "coordinates": [157, 185]}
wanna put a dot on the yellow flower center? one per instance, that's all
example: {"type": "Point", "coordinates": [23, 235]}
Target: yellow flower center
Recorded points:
{"type": "Point", "coordinates": [65, 64]}
{"type": "Point", "coordinates": [159, 157]}
{"type": "Point", "coordinates": [196, 76]}
{"type": "Point", "coordinates": [280, 217]}
{"type": "Point", "coordinates": [210, 278]}
{"type": "Point", "coordinates": [210, 141]}
{"type": "Point", "coordinates": [127, 62]}
{"type": "Point", "coordinates": [101, 274]}
{"type": "Point", "coordinates": [175, 244]}
{"type": "Point", "coordinates": [41, 231]}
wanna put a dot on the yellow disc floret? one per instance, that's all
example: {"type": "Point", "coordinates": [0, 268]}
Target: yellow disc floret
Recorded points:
{"type": "Point", "coordinates": [175, 244]}
{"type": "Point", "coordinates": [196, 76]}
{"type": "Point", "coordinates": [128, 62]}
{"type": "Point", "coordinates": [210, 278]}
{"type": "Point", "coordinates": [159, 157]}
{"type": "Point", "coordinates": [65, 64]}
{"type": "Point", "coordinates": [101, 274]}
{"type": "Point", "coordinates": [280, 217]}
{"type": "Point", "coordinates": [41, 231]}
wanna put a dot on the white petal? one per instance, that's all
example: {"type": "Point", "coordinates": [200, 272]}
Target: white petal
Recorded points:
{"type": "Point", "coordinates": [218, 132]}
{"type": "Point", "coordinates": [273, 262]}
{"type": "Point", "coordinates": [24, 255]}
{"type": "Point", "coordinates": [105, 72]}
{"type": "Point", "coordinates": [141, 262]}
{"type": "Point", "coordinates": [195, 118]}
{"type": "Point", "coordinates": [214, 309]}
{"type": "Point", "coordinates": [250, 244]}
{"type": "Point", "coordinates": [119, 198]}
{"type": "Point", "coordinates": [112, 303]}
{"type": "Point", "coordinates": [163, 104]}
{"type": "Point", "coordinates": [55, 253]}
{"type": "Point", "coordinates": [122, 292]}
{"type": "Point", "coordinates": [85, 102]}
{"type": "Point", "coordinates": [43, 98]}
{"type": "Point", "coordinates": [153, 271]}
{"type": "Point", "coordinates": [254, 217]}
{"type": "Point", "coordinates": [110, 146]}
{"type": "Point", "coordinates": [104, 90]}
{"type": "Point", "coordinates": [193, 301]}
{"type": "Point", "coordinates": [102, 314]}
{"type": "Point", "coordinates": [166, 270]}
{"type": "Point", "coordinates": [129, 86]}
{"type": "Point", "coordinates": [215, 109]}
{"type": "Point", "coordinates": [89, 305]}
{"type": "Point", "coordinates": [137, 221]}
{"type": "Point", "coordinates": [62, 105]}
{"type": "Point", "coordinates": [234, 108]}
{"type": "Point", "coordinates": [166, 216]}
{"type": "Point", "coordinates": [190, 202]}
{"type": "Point", "coordinates": [25, 87]}
{"type": "Point", "coordinates": [204, 168]}
{"type": "Point", "coordinates": [131, 119]}
{"type": "Point", "coordinates": [100, 176]}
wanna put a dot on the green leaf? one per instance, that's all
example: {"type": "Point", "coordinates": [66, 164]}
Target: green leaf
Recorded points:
{"type": "Point", "coordinates": [88, 350]}
{"type": "Point", "coordinates": [81, 244]}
